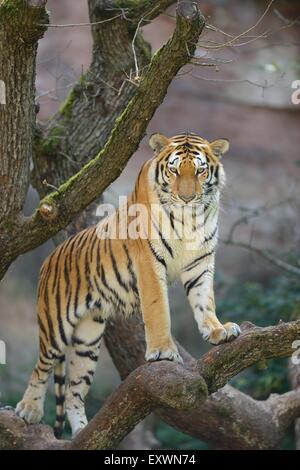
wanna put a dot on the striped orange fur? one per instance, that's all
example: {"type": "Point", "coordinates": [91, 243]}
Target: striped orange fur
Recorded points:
{"type": "Point", "coordinates": [90, 276]}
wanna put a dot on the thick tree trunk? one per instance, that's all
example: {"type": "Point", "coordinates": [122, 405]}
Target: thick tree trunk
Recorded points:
{"type": "Point", "coordinates": [19, 35]}
{"type": "Point", "coordinates": [68, 143]}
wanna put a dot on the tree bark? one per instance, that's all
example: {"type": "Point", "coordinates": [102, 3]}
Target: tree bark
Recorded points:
{"type": "Point", "coordinates": [19, 35]}
{"type": "Point", "coordinates": [294, 375]}
{"type": "Point", "coordinates": [230, 419]}
{"type": "Point", "coordinates": [59, 208]}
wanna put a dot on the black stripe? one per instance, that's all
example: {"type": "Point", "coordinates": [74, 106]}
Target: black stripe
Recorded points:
{"type": "Point", "coordinates": [188, 285]}
{"type": "Point", "coordinates": [116, 271]}
{"type": "Point", "coordinates": [211, 235]}
{"type": "Point", "coordinates": [165, 243]}
{"type": "Point", "coordinates": [58, 251]}
{"type": "Point", "coordinates": [194, 263]}
{"type": "Point", "coordinates": [51, 336]}
{"type": "Point", "coordinates": [88, 300]}
{"type": "Point", "coordinates": [60, 400]}
{"type": "Point", "coordinates": [59, 379]}
{"type": "Point", "coordinates": [156, 255]}
{"type": "Point", "coordinates": [133, 283]}
{"type": "Point", "coordinates": [112, 291]}
{"type": "Point", "coordinates": [59, 316]}
{"type": "Point", "coordinates": [88, 354]}
{"type": "Point", "coordinates": [60, 418]}
{"type": "Point", "coordinates": [87, 379]}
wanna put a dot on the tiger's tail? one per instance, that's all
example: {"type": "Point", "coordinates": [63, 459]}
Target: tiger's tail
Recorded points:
{"type": "Point", "coordinates": [60, 388]}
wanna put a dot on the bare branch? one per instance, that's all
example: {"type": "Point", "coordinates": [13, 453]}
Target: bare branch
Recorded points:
{"type": "Point", "coordinates": [76, 25]}
{"type": "Point", "coordinates": [279, 263]}
{"type": "Point", "coordinates": [234, 39]}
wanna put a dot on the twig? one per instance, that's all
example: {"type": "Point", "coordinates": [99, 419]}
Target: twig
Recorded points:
{"type": "Point", "coordinates": [233, 80]}
{"type": "Point", "coordinates": [48, 185]}
{"type": "Point", "coordinates": [137, 75]}
{"type": "Point", "coordinates": [241, 35]}
{"type": "Point", "coordinates": [265, 254]}
{"type": "Point", "coordinates": [250, 213]}
{"type": "Point", "coordinates": [73, 25]}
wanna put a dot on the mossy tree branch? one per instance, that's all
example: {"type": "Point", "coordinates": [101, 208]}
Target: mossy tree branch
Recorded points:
{"type": "Point", "coordinates": [20, 31]}
{"type": "Point", "coordinates": [179, 395]}
{"type": "Point", "coordinates": [229, 419]}
{"type": "Point", "coordinates": [59, 208]}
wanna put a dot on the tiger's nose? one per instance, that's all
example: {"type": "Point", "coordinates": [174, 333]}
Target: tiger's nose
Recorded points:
{"type": "Point", "coordinates": [186, 199]}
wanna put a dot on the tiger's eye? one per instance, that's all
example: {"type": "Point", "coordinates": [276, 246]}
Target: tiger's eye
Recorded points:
{"type": "Point", "coordinates": [202, 169]}
{"type": "Point", "coordinates": [173, 169]}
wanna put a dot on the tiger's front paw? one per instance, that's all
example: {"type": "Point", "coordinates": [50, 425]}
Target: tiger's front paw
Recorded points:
{"type": "Point", "coordinates": [169, 353]}
{"type": "Point", "coordinates": [30, 410]}
{"type": "Point", "coordinates": [220, 335]}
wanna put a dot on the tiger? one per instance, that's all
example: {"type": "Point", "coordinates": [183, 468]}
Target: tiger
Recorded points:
{"type": "Point", "coordinates": [93, 275]}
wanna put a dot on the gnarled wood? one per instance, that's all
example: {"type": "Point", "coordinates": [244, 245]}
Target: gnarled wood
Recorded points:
{"type": "Point", "coordinates": [229, 419]}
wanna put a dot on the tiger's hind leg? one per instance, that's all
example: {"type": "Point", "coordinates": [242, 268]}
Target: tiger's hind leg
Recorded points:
{"type": "Point", "coordinates": [83, 359]}
{"type": "Point", "coordinates": [51, 357]}
{"type": "Point", "coordinates": [31, 407]}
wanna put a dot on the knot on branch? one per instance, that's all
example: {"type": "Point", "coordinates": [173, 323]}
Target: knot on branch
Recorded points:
{"type": "Point", "coordinates": [48, 210]}
{"type": "Point", "coordinates": [188, 10]}
{"type": "Point", "coordinates": [190, 23]}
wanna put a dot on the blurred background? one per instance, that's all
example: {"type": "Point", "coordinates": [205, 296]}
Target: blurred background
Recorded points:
{"type": "Point", "coordinates": [246, 97]}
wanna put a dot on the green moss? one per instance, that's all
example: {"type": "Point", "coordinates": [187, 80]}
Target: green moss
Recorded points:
{"type": "Point", "coordinates": [144, 47]}
{"type": "Point", "coordinates": [49, 144]}
{"type": "Point", "coordinates": [223, 412]}
{"type": "Point", "coordinates": [18, 15]}
{"type": "Point", "coordinates": [66, 108]}
{"type": "Point", "coordinates": [10, 10]}
{"type": "Point", "coordinates": [11, 6]}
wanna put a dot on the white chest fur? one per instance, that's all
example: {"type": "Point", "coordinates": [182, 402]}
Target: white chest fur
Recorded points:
{"type": "Point", "coordinates": [185, 234]}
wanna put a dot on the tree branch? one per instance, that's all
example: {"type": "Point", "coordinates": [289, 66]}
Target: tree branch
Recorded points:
{"type": "Point", "coordinates": [19, 35]}
{"type": "Point", "coordinates": [222, 363]}
{"type": "Point", "coordinates": [229, 419]}
{"type": "Point", "coordinates": [172, 390]}
{"type": "Point", "coordinates": [150, 386]}
{"type": "Point", "coordinates": [59, 208]}
{"type": "Point", "coordinates": [279, 263]}
{"type": "Point", "coordinates": [135, 11]}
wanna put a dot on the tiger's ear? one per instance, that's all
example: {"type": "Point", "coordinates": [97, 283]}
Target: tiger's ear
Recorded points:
{"type": "Point", "coordinates": [219, 147]}
{"type": "Point", "coordinates": [158, 141]}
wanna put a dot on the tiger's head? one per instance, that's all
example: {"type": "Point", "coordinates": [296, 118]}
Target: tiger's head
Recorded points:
{"type": "Point", "coordinates": [187, 168]}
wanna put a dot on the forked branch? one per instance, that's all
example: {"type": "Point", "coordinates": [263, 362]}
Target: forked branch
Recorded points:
{"type": "Point", "coordinates": [172, 390]}
{"type": "Point", "coordinates": [59, 208]}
